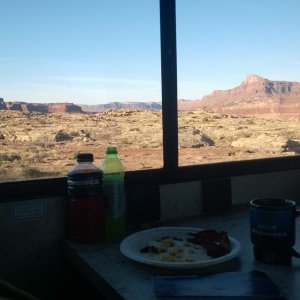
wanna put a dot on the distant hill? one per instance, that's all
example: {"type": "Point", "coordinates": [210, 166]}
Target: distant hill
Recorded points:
{"type": "Point", "coordinates": [121, 105]}
{"type": "Point", "coordinates": [40, 107]}
{"type": "Point", "coordinates": [255, 96]}
{"type": "Point", "coordinates": [80, 108]}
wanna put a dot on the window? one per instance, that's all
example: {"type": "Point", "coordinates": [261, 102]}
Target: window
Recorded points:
{"type": "Point", "coordinates": [191, 169]}
{"type": "Point", "coordinates": [238, 65]}
{"type": "Point", "coordinates": [78, 56]}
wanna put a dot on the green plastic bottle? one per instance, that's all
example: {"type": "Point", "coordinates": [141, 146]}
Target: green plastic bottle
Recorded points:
{"type": "Point", "coordinates": [114, 193]}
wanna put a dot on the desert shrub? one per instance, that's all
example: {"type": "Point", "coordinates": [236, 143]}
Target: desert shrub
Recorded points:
{"type": "Point", "coordinates": [29, 172]}
{"type": "Point", "coordinates": [62, 136]}
{"type": "Point", "coordinates": [249, 121]}
{"type": "Point", "coordinates": [42, 121]}
{"type": "Point", "coordinates": [9, 157]}
{"type": "Point", "coordinates": [74, 133]}
{"type": "Point", "coordinates": [3, 172]}
{"type": "Point", "coordinates": [103, 136]}
{"type": "Point", "coordinates": [125, 141]}
{"type": "Point", "coordinates": [16, 157]}
{"type": "Point", "coordinates": [54, 154]}
{"type": "Point", "coordinates": [243, 134]}
{"type": "Point", "coordinates": [41, 156]}
{"type": "Point", "coordinates": [205, 120]}
{"type": "Point", "coordinates": [34, 156]}
{"type": "Point", "coordinates": [4, 157]}
{"type": "Point", "coordinates": [29, 156]}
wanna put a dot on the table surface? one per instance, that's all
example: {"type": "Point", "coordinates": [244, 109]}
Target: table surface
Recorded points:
{"type": "Point", "coordinates": [118, 277]}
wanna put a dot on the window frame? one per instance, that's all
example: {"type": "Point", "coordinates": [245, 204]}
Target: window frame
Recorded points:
{"type": "Point", "coordinates": [171, 172]}
{"type": "Point", "coordinates": [169, 112]}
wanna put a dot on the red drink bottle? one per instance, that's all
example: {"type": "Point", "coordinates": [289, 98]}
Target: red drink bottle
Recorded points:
{"type": "Point", "coordinates": [85, 201]}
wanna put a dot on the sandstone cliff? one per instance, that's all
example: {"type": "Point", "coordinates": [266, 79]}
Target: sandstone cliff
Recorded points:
{"type": "Point", "coordinates": [256, 96]}
{"type": "Point", "coordinates": [40, 107]}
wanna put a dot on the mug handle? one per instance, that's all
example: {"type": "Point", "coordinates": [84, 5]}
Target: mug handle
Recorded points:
{"type": "Point", "coordinates": [294, 252]}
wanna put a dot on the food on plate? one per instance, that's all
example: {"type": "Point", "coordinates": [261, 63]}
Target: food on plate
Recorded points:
{"type": "Point", "coordinates": [190, 248]}
{"type": "Point", "coordinates": [216, 243]}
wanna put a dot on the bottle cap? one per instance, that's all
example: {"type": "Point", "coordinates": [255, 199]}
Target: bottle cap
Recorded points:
{"type": "Point", "coordinates": [85, 157]}
{"type": "Point", "coordinates": [111, 150]}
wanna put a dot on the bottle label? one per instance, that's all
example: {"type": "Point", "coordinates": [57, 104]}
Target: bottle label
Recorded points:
{"type": "Point", "coordinates": [85, 184]}
{"type": "Point", "coordinates": [272, 227]}
{"type": "Point", "coordinates": [88, 182]}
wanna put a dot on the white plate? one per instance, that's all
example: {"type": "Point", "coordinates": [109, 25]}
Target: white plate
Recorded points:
{"type": "Point", "coordinates": [131, 246]}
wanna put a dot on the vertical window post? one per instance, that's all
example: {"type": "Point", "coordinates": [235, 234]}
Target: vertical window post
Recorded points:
{"type": "Point", "coordinates": [169, 83]}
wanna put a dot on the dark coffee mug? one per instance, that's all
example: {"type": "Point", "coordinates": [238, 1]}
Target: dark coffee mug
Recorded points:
{"type": "Point", "coordinates": [272, 226]}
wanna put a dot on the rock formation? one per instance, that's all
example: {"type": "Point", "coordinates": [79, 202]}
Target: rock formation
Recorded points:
{"type": "Point", "coordinates": [40, 107]}
{"type": "Point", "coordinates": [256, 96]}
{"type": "Point", "coordinates": [120, 106]}
{"type": "Point", "coordinates": [64, 108]}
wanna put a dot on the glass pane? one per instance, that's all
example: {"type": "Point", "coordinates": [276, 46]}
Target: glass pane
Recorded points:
{"type": "Point", "coordinates": [78, 76]}
{"type": "Point", "coordinates": [238, 79]}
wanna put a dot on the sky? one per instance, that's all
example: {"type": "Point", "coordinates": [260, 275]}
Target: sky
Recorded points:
{"type": "Point", "coordinates": [101, 51]}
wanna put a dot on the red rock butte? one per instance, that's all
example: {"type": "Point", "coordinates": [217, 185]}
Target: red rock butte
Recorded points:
{"type": "Point", "coordinates": [255, 96]}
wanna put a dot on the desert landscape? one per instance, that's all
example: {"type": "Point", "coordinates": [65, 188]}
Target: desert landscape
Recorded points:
{"type": "Point", "coordinates": [36, 145]}
{"type": "Point", "coordinates": [257, 119]}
